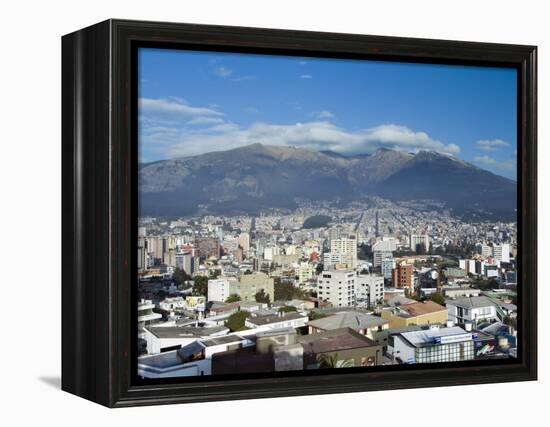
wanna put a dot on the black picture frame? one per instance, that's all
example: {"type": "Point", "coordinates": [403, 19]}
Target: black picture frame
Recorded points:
{"type": "Point", "coordinates": [99, 193]}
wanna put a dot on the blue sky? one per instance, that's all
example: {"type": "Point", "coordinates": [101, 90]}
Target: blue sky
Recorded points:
{"type": "Point", "coordinates": [195, 102]}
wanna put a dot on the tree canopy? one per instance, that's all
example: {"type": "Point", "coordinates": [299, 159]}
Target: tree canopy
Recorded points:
{"type": "Point", "coordinates": [200, 285]}
{"type": "Point", "coordinates": [285, 291]}
{"type": "Point", "coordinates": [233, 298]}
{"type": "Point", "coordinates": [235, 322]}
{"type": "Point", "coordinates": [262, 297]}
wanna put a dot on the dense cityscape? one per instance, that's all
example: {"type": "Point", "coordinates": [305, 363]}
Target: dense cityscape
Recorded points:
{"type": "Point", "coordinates": [329, 285]}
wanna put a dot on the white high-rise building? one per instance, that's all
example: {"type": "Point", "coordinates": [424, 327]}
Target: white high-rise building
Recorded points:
{"type": "Point", "coordinates": [218, 289]}
{"type": "Point", "coordinates": [345, 246]}
{"type": "Point", "coordinates": [370, 287]}
{"type": "Point", "coordinates": [383, 250]}
{"type": "Point", "coordinates": [270, 252]}
{"type": "Point", "coordinates": [337, 287]}
{"type": "Point", "coordinates": [486, 251]}
{"type": "Point", "coordinates": [419, 239]}
{"type": "Point", "coordinates": [330, 259]}
{"type": "Point", "coordinates": [501, 253]}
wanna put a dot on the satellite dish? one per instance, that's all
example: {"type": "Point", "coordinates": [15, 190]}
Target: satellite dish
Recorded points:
{"type": "Point", "coordinates": [433, 275]}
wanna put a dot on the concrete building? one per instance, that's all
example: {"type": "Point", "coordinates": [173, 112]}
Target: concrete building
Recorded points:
{"type": "Point", "coordinates": [249, 284]}
{"type": "Point", "coordinates": [145, 313]}
{"type": "Point", "coordinates": [364, 324]}
{"type": "Point", "coordinates": [219, 289]}
{"type": "Point", "coordinates": [369, 288]}
{"type": "Point", "coordinates": [338, 287]}
{"type": "Point", "coordinates": [382, 250]}
{"type": "Point", "coordinates": [186, 262]}
{"type": "Point", "coordinates": [419, 240]}
{"type": "Point", "coordinates": [166, 338]}
{"type": "Point", "coordinates": [246, 287]}
{"type": "Point", "coordinates": [386, 267]}
{"type": "Point", "coordinates": [244, 241]}
{"type": "Point", "coordinates": [472, 309]}
{"type": "Point", "coordinates": [277, 321]}
{"type": "Point", "coordinates": [403, 277]}
{"type": "Point", "coordinates": [486, 251]}
{"type": "Point", "coordinates": [501, 253]}
{"type": "Point", "coordinates": [345, 246]}
{"type": "Point", "coordinates": [332, 259]}
{"type": "Point", "coordinates": [339, 348]}
{"type": "Point", "coordinates": [418, 313]}
{"type": "Point", "coordinates": [434, 345]}
{"type": "Point", "coordinates": [304, 272]}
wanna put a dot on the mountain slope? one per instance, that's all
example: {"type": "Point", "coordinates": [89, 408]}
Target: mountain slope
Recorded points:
{"type": "Point", "coordinates": [258, 177]}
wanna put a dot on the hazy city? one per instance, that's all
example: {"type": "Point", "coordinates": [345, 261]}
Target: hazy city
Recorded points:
{"type": "Point", "coordinates": [323, 287]}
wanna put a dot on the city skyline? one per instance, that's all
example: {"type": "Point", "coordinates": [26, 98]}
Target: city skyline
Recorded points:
{"type": "Point", "coordinates": [194, 102]}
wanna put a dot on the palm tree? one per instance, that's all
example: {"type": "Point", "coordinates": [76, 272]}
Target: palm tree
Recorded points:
{"type": "Point", "coordinates": [327, 360]}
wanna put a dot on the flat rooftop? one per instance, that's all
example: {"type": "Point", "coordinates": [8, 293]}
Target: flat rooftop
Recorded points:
{"type": "Point", "coordinates": [266, 320]}
{"type": "Point", "coordinates": [226, 339]}
{"type": "Point", "coordinates": [335, 340]}
{"type": "Point", "coordinates": [433, 336]}
{"type": "Point", "coordinates": [351, 319]}
{"type": "Point", "coordinates": [185, 331]}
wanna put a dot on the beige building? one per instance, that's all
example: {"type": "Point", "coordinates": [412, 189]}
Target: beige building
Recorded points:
{"type": "Point", "coordinates": [249, 284]}
{"type": "Point", "coordinates": [345, 246]}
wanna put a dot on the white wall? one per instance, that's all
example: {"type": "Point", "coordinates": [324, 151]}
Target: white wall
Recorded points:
{"type": "Point", "coordinates": [30, 155]}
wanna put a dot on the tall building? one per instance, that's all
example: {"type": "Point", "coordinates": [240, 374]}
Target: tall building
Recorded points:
{"type": "Point", "coordinates": [219, 289]}
{"type": "Point", "coordinates": [486, 251]}
{"type": "Point", "coordinates": [345, 246]}
{"type": "Point", "coordinates": [249, 284]}
{"type": "Point", "coordinates": [186, 262]}
{"type": "Point", "coordinates": [382, 250]}
{"type": "Point", "coordinates": [246, 287]}
{"type": "Point", "coordinates": [270, 252]}
{"type": "Point", "coordinates": [403, 277]}
{"type": "Point", "coordinates": [208, 247]}
{"type": "Point", "coordinates": [244, 241]}
{"type": "Point", "coordinates": [331, 259]}
{"type": "Point", "coordinates": [370, 287]}
{"type": "Point", "coordinates": [502, 252]}
{"type": "Point", "coordinates": [418, 240]}
{"type": "Point", "coordinates": [337, 287]}
{"type": "Point", "coordinates": [386, 267]}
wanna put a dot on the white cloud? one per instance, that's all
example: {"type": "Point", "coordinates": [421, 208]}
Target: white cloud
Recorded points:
{"type": "Point", "coordinates": [306, 76]}
{"type": "Point", "coordinates": [172, 111]}
{"type": "Point", "coordinates": [223, 72]}
{"type": "Point", "coordinates": [491, 145]}
{"type": "Point", "coordinates": [243, 78]}
{"type": "Point", "coordinates": [495, 165]}
{"type": "Point", "coordinates": [316, 135]}
{"type": "Point", "coordinates": [324, 114]}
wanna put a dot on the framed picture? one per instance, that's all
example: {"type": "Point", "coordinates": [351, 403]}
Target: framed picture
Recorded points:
{"type": "Point", "coordinates": [257, 213]}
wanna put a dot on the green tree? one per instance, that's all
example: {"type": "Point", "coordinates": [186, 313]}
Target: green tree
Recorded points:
{"type": "Point", "coordinates": [261, 296]}
{"type": "Point", "coordinates": [285, 291]}
{"type": "Point", "coordinates": [235, 322]}
{"type": "Point", "coordinates": [233, 298]}
{"type": "Point", "coordinates": [314, 315]}
{"type": "Point", "coordinates": [180, 276]}
{"type": "Point", "coordinates": [287, 309]}
{"type": "Point", "coordinates": [327, 360]}
{"type": "Point", "coordinates": [438, 298]}
{"type": "Point", "coordinates": [200, 285]}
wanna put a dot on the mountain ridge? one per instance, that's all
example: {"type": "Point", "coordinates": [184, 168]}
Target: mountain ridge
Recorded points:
{"type": "Point", "coordinates": [257, 177]}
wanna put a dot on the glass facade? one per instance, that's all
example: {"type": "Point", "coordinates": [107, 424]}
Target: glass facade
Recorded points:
{"type": "Point", "coordinates": [452, 352]}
